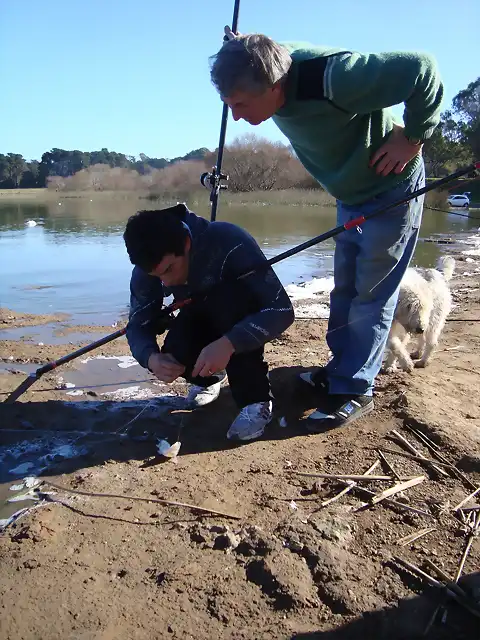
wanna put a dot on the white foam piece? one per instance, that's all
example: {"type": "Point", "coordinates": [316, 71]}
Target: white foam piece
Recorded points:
{"type": "Point", "coordinates": [472, 252]}
{"type": "Point", "coordinates": [317, 310]}
{"type": "Point", "coordinates": [130, 393]}
{"type": "Point", "coordinates": [30, 223]}
{"type": "Point", "coordinates": [124, 361]}
{"type": "Point", "coordinates": [168, 451]}
{"type": "Point", "coordinates": [310, 289]}
{"type": "Point", "coordinates": [75, 392]}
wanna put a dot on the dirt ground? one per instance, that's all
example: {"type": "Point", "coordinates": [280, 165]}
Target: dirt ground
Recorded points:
{"type": "Point", "coordinates": [89, 567]}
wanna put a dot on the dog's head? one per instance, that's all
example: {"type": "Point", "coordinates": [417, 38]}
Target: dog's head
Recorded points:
{"type": "Point", "coordinates": [413, 313]}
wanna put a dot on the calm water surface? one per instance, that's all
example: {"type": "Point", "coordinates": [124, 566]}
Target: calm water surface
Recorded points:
{"type": "Point", "coordinates": [74, 260]}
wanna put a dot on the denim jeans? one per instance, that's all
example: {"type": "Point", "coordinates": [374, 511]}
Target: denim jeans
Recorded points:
{"type": "Point", "coordinates": [369, 263]}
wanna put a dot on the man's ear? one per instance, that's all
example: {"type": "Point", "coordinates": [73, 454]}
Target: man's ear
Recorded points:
{"type": "Point", "coordinates": [188, 244]}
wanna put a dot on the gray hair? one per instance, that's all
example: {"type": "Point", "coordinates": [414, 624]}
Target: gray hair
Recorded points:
{"type": "Point", "coordinates": [250, 63]}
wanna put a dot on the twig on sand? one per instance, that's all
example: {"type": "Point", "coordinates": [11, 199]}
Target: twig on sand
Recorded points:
{"type": "Point", "coordinates": [396, 489]}
{"type": "Point", "coordinates": [435, 450]}
{"type": "Point", "coordinates": [428, 442]}
{"type": "Point", "coordinates": [415, 536]}
{"type": "Point", "coordinates": [464, 602]}
{"type": "Point", "coordinates": [410, 456]}
{"type": "Point", "coordinates": [412, 449]}
{"type": "Point", "coordinates": [350, 486]}
{"type": "Point", "coordinates": [154, 500]}
{"type": "Point", "coordinates": [348, 476]}
{"type": "Point", "coordinates": [465, 500]}
{"type": "Point", "coordinates": [391, 501]}
{"type": "Point", "coordinates": [388, 465]}
{"type": "Point", "coordinates": [464, 557]}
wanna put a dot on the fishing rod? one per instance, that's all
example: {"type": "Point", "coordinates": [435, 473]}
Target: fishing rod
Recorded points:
{"type": "Point", "coordinates": [357, 222]}
{"type": "Point", "coordinates": [213, 180]}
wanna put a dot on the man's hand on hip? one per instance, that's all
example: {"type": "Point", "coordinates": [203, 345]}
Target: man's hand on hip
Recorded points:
{"type": "Point", "coordinates": [165, 367]}
{"type": "Point", "coordinates": [394, 155]}
{"type": "Point", "coordinates": [213, 358]}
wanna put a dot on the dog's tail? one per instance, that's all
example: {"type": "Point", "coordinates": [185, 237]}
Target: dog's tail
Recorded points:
{"type": "Point", "coordinates": [446, 265]}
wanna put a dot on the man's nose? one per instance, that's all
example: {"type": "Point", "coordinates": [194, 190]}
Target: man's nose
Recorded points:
{"type": "Point", "coordinates": [235, 115]}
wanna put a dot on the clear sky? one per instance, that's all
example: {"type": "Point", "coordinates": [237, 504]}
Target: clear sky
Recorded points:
{"type": "Point", "coordinates": [133, 76]}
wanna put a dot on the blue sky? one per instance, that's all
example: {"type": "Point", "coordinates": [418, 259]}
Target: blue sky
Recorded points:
{"type": "Point", "coordinates": [133, 76]}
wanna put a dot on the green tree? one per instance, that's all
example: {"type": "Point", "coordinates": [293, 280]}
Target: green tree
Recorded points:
{"type": "Point", "coordinates": [15, 168]}
{"type": "Point", "coordinates": [466, 108]}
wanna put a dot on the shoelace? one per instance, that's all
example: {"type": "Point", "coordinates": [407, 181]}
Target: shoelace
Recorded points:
{"type": "Point", "coordinates": [262, 412]}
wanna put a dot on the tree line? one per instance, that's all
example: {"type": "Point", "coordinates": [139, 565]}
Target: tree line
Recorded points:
{"type": "Point", "coordinates": [252, 163]}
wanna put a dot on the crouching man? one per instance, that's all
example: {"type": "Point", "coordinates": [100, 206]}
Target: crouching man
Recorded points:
{"type": "Point", "coordinates": [224, 330]}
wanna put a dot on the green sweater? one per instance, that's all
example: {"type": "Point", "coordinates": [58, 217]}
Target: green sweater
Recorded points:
{"type": "Point", "coordinates": [336, 113]}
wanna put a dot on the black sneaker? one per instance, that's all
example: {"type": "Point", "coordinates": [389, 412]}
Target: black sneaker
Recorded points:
{"type": "Point", "coordinates": [338, 410]}
{"type": "Point", "coordinates": [317, 379]}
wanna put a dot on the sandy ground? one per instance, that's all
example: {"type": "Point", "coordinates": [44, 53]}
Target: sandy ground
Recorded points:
{"type": "Point", "coordinates": [89, 567]}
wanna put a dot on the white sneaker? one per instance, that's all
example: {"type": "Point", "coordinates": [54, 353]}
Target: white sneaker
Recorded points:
{"type": "Point", "coordinates": [251, 421]}
{"type": "Point", "coordinates": [201, 396]}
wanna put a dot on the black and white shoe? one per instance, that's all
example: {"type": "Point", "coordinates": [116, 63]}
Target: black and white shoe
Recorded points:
{"type": "Point", "coordinates": [338, 410]}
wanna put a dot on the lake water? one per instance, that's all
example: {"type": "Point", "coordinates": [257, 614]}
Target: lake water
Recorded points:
{"type": "Point", "coordinates": [74, 261]}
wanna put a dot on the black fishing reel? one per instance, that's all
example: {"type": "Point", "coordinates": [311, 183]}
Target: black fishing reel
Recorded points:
{"type": "Point", "coordinates": [213, 180]}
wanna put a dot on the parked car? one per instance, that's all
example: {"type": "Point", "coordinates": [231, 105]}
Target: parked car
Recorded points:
{"type": "Point", "coordinates": [459, 201]}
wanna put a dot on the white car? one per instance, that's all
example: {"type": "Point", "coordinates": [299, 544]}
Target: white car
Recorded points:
{"type": "Point", "coordinates": [459, 201]}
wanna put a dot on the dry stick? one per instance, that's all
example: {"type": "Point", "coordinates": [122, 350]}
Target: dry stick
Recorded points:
{"type": "Point", "coordinates": [433, 448]}
{"type": "Point", "coordinates": [396, 489]}
{"type": "Point", "coordinates": [469, 497]}
{"type": "Point", "coordinates": [157, 501]}
{"type": "Point", "coordinates": [420, 512]}
{"type": "Point", "coordinates": [410, 456]}
{"type": "Point", "coordinates": [412, 449]}
{"type": "Point", "coordinates": [451, 585]}
{"type": "Point", "coordinates": [435, 583]}
{"type": "Point", "coordinates": [415, 536]}
{"type": "Point", "coordinates": [464, 557]}
{"type": "Point", "coordinates": [423, 438]}
{"type": "Point", "coordinates": [348, 476]}
{"type": "Point", "coordinates": [350, 486]}
{"type": "Point", "coordinates": [388, 465]}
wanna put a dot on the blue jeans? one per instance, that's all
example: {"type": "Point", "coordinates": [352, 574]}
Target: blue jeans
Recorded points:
{"type": "Point", "coordinates": [369, 264]}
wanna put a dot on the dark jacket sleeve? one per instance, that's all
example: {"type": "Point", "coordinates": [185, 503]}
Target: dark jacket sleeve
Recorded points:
{"type": "Point", "coordinates": [143, 325]}
{"type": "Point", "coordinates": [275, 314]}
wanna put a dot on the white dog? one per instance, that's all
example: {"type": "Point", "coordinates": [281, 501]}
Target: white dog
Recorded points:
{"type": "Point", "coordinates": [424, 303]}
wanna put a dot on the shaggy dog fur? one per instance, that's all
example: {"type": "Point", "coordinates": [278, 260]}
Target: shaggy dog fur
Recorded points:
{"type": "Point", "coordinates": [424, 303]}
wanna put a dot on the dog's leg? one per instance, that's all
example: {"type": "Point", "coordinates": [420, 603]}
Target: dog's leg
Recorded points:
{"type": "Point", "coordinates": [430, 340]}
{"type": "Point", "coordinates": [398, 351]}
{"type": "Point", "coordinates": [420, 350]}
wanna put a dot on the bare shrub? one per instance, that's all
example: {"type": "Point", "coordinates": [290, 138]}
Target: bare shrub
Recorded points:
{"type": "Point", "coordinates": [256, 164]}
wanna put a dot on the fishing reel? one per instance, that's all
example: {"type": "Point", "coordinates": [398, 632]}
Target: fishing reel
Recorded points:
{"type": "Point", "coordinates": [212, 180]}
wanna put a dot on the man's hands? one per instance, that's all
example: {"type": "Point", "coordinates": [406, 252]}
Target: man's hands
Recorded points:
{"type": "Point", "coordinates": [165, 367]}
{"type": "Point", "coordinates": [395, 153]}
{"type": "Point", "coordinates": [213, 358]}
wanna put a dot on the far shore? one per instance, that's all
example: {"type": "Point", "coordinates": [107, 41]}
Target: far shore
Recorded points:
{"type": "Point", "coordinates": [293, 197]}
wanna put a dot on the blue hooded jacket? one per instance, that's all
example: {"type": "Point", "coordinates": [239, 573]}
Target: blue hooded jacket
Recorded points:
{"type": "Point", "coordinates": [220, 251]}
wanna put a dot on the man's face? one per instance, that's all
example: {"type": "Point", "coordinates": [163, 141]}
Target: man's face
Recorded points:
{"type": "Point", "coordinates": [255, 108]}
{"type": "Point", "coordinates": [173, 270]}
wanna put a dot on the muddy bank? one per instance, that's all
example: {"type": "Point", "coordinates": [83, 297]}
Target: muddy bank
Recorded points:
{"type": "Point", "coordinates": [85, 566]}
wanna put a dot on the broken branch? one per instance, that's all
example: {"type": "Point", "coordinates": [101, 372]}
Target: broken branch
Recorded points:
{"type": "Point", "coordinates": [347, 476]}
{"type": "Point", "coordinates": [396, 489]}
{"type": "Point", "coordinates": [412, 449]}
{"type": "Point", "coordinates": [155, 500]}
{"type": "Point", "coordinates": [350, 486]}
{"type": "Point", "coordinates": [415, 536]}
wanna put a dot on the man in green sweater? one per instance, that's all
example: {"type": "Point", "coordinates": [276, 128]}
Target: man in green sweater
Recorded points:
{"type": "Point", "coordinates": [333, 106]}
